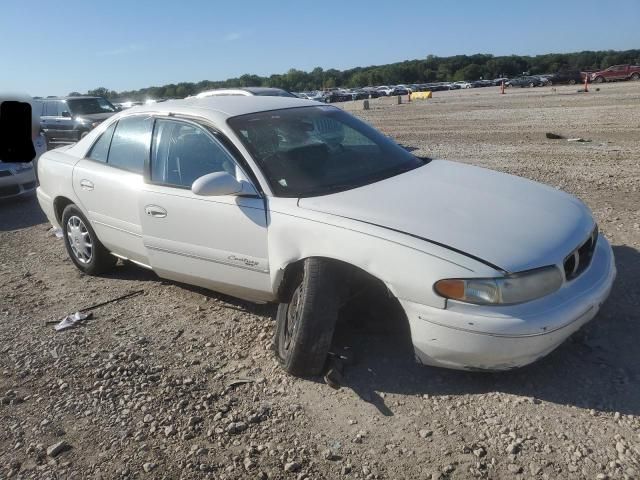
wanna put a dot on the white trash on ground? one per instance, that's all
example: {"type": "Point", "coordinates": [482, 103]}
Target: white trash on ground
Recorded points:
{"type": "Point", "coordinates": [72, 320]}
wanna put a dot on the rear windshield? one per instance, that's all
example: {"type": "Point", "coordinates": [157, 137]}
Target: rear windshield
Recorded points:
{"type": "Point", "coordinates": [87, 106]}
{"type": "Point", "coordinates": [318, 150]}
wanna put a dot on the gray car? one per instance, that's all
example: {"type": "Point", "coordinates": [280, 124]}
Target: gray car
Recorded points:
{"type": "Point", "coordinates": [20, 179]}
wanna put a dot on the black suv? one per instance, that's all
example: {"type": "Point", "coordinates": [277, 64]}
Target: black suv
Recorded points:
{"type": "Point", "coordinates": [566, 76]}
{"type": "Point", "coordinates": [68, 119]}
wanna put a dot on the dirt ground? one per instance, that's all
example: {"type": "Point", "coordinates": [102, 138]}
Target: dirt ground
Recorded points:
{"type": "Point", "coordinates": [179, 382]}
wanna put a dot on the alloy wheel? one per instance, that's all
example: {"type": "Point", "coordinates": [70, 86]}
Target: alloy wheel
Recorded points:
{"type": "Point", "coordinates": [79, 239]}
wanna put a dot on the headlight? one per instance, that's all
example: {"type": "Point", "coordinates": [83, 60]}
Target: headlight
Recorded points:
{"type": "Point", "coordinates": [516, 288]}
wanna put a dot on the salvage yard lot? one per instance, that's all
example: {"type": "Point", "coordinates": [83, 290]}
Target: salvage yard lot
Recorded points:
{"type": "Point", "coordinates": [180, 382]}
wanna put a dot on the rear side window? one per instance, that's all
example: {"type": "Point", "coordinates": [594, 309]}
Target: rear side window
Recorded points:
{"type": "Point", "coordinates": [130, 143]}
{"type": "Point", "coordinates": [51, 109]}
{"type": "Point", "coordinates": [100, 149]}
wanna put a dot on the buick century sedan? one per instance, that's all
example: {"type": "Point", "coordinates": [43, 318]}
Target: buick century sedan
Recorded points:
{"type": "Point", "coordinates": [285, 200]}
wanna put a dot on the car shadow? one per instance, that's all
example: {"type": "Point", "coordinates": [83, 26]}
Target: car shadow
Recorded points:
{"type": "Point", "coordinates": [19, 213]}
{"type": "Point", "coordinates": [597, 368]}
{"type": "Point", "coordinates": [126, 270]}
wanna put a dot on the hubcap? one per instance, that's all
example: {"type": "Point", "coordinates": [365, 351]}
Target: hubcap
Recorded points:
{"type": "Point", "coordinates": [293, 316]}
{"type": "Point", "coordinates": [79, 240]}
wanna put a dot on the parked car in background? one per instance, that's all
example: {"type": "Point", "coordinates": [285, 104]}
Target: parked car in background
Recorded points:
{"type": "Point", "coordinates": [399, 91]}
{"type": "Point", "coordinates": [569, 77]}
{"type": "Point", "coordinates": [462, 84]}
{"type": "Point", "coordinates": [373, 92]}
{"type": "Point", "coordinates": [124, 104]}
{"type": "Point", "coordinates": [385, 90]}
{"type": "Point", "coordinates": [525, 81]}
{"type": "Point", "coordinates": [21, 179]}
{"type": "Point", "coordinates": [317, 96]}
{"type": "Point", "coordinates": [616, 72]}
{"type": "Point", "coordinates": [65, 120]}
{"type": "Point", "coordinates": [337, 95]}
{"type": "Point", "coordinates": [437, 87]}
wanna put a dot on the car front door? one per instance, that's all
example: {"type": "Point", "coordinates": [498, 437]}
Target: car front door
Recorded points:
{"type": "Point", "coordinates": [217, 242]}
{"type": "Point", "coordinates": [108, 183]}
{"type": "Point", "coordinates": [66, 122]}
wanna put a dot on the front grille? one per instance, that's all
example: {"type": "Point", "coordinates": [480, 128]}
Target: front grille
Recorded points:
{"type": "Point", "coordinates": [5, 173]}
{"type": "Point", "coordinates": [10, 190]}
{"type": "Point", "coordinates": [577, 261]}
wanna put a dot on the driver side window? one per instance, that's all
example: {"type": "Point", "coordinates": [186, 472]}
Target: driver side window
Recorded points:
{"type": "Point", "coordinates": [182, 152]}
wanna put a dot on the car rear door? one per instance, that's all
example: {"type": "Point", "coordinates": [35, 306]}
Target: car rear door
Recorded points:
{"type": "Point", "coordinates": [108, 183]}
{"type": "Point", "coordinates": [217, 242]}
{"type": "Point", "coordinates": [50, 120]}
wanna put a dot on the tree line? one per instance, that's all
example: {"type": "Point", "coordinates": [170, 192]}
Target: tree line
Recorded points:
{"type": "Point", "coordinates": [430, 69]}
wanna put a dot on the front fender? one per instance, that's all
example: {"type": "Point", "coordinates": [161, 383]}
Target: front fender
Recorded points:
{"type": "Point", "coordinates": [408, 266]}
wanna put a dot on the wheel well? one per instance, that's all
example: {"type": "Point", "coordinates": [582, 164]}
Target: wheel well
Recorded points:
{"type": "Point", "coordinates": [365, 295]}
{"type": "Point", "coordinates": [59, 204]}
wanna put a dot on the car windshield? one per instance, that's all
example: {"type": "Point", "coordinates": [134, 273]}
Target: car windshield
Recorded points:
{"type": "Point", "coordinates": [87, 106]}
{"type": "Point", "coordinates": [312, 151]}
{"type": "Point", "coordinates": [272, 93]}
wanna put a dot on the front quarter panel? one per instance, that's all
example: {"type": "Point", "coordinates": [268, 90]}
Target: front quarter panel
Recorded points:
{"type": "Point", "coordinates": [408, 266]}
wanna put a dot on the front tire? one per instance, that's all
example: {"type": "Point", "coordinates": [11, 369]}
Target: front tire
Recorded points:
{"type": "Point", "coordinates": [635, 77]}
{"type": "Point", "coordinates": [599, 80]}
{"type": "Point", "coordinates": [82, 244]}
{"type": "Point", "coordinates": [306, 320]}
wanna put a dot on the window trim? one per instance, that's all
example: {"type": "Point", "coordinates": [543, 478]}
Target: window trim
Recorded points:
{"type": "Point", "coordinates": [215, 135]}
{"type": "Point", "coordinates": [90, 149]}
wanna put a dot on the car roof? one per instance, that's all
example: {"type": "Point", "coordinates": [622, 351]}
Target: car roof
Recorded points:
{"type": "Point", "coordinates": [66, 98]}
{"type": "Point", "coordinates": [244, 91]}
{"type": "Point", "coordinates": [217, 107]}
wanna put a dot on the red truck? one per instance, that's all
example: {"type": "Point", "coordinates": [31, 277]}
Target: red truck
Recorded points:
{"type": "Point", "coordinates": [616, 72]}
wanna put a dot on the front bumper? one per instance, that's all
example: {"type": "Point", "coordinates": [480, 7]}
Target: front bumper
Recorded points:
{"type": "Point", "coordinates": [17, 183]}
{"type": "Point", "coordinates": [473, 337]}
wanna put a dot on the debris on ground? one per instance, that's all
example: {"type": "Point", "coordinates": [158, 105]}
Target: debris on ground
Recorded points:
{"type": "Point", "coordinates": [554, 136]}
{"type": "Point", "coordinates": [57, 448]}
{"type": "Point", "coordinates": [55, 231]}
{"type": "Point", "coordinates": [72, 320]}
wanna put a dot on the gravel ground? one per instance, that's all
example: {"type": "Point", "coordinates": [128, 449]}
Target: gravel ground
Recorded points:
{"type": "Point", "coordinates": [180, 382]}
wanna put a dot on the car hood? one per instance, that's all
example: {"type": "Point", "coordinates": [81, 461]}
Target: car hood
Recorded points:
{"type": "Point", "coordinates": [507, 221]}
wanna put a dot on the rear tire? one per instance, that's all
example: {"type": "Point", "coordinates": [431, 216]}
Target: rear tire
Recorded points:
{"type": "Point", "coordinates": [82, 244]}
{"type": "Point", "coordinates": [635, 77]}
{"type": "Point", "coordinates": [599, 80]}
{"type": "Point", "coordinates": [572, 82]}
{"type": "Point", "coordinates": [307, 319]}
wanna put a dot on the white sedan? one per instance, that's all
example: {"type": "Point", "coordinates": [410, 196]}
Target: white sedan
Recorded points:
{"type": "Point", "coordinates": [284, 200]}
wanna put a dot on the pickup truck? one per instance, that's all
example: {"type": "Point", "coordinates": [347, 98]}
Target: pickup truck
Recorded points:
{"type": "Point", "coordinates": [616, 72]}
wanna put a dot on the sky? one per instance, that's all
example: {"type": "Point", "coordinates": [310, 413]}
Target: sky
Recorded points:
{"type": "Point", "coordinates": [55, 47]}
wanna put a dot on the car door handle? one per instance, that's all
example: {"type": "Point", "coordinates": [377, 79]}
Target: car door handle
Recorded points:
{"type": "Point", "coordinates": [86, 185]}
{"type": "Point", "coordinates": [155, 211]}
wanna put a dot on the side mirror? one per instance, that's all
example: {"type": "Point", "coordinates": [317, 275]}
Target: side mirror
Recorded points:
{"type": "Point", "coordinates": [66, 114]}
{"type": "Point", "coordinates": [221, 183]}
